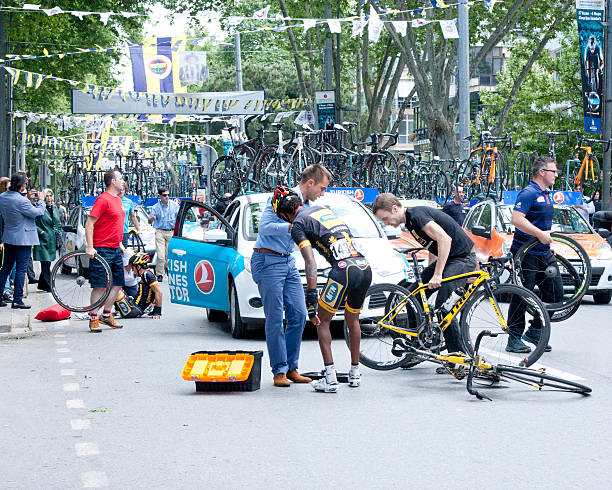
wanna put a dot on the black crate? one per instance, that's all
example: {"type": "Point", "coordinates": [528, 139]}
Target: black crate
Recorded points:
{"type": "Point", "coordinates": [252, 383]}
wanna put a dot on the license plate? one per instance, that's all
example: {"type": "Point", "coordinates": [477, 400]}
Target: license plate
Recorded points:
{"type": "Point", "coordinates": [578, 267]}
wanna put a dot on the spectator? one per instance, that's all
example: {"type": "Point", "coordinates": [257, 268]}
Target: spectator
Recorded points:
{"type": "Point", "coordinates": [596, 204]}
{"type": "Point", "coordinates": [62, 211]}
{"type": "Point", "coordinates": [163, 217]}
{"type": "Point", "coordinates": [49, 229]}
{"type": "Point", "coordinates": [131, 281]}
{"type": "Point", "coordinates": [128, 207]}
{"type": "Point", "coordinates": [585, 209]}
{"type": "Point", "coordinates": [6, 295]}
{"type": "Point", "coordinates": [32, 195]}
{"type": "Point", "coordinates": [103, 235]}
{"type": "Point", "coordinates": [455, 208]}
{"type": "Point", "coordinates": [18, 234]}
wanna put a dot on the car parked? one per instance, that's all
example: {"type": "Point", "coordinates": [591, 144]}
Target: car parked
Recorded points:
{"type": "Point", "coordinates": [489, 225]}
{"type": "Point", "coordinates": [209, 257]}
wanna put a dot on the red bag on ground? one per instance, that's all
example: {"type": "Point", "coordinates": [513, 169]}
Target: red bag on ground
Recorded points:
{"type": "Point", "coordinates": [53, 314]}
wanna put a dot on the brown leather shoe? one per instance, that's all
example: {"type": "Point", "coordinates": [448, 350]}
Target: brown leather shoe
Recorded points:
{"type": "Point", "coordinates": [296, 377]}
{"type": "Point", "coordinates": [281, 380]}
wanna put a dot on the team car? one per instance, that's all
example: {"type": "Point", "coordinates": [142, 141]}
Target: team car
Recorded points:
{"type": "Point", "coordinates": [489, 226]}
{"type": "Point", "coordinates": [75, 236]}
{"type": "Point", "coordinates": [209, 256]}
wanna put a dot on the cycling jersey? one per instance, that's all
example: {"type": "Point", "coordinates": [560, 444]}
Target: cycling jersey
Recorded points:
{"type": "Point", "coordinates": [145, 295]}
{"type": "Point", "coordinates": [593, 57]}
{"type": "Point", "coordinates": [320, 228]}
{"type": "Point", "coordinates": [350, 276]}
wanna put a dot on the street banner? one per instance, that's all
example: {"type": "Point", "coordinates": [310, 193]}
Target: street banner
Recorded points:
{"type": "Point", "coordinates": [558, 197]}
{"type": "Point", "coordinates": [362, 194]}
{"type": "Point", "coordinates": [204, 103]}
{"type": "Point", "coordinates": [590, 15]}
{"type": "Point", "coordinates": [326, 109]}
{"type": "Point", "coordinates": [155, 65]}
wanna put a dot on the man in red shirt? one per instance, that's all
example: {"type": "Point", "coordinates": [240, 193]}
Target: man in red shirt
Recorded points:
{"type": "Point", "coordinates": [103, 235]}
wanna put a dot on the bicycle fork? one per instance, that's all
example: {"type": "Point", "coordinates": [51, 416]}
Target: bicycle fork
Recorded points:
{"type": "Point", "coordinates": [476, 361]}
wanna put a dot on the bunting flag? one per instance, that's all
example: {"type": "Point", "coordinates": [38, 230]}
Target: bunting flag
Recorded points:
{"type": "Point", "coordinates": [376, 26]}
{"type": "Point", "coordinates": [262, 13]}
{"type": "Point", "coordinates": [449, 29]}
{"type": "Point", "coordinates": [400, 26]}
{"type": "Point", "coordinates": [156, 67]}
{"type": "Point", "coordinates": [359, 26]}
{"type": "Point", "coordinates": [334, 26]}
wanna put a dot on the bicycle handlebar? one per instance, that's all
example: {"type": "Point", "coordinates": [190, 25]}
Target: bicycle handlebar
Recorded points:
{"type": "Point", "coordinates": [605, 143]}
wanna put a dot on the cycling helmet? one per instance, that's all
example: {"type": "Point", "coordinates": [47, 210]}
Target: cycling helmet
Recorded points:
{"type": "Point", "coordinates": [140, 258]}
{"type": "Point", "coordinates": [281, 198]}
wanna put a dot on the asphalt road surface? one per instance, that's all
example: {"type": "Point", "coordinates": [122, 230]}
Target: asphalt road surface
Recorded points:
{"type": "Point", "coordinates": [110, 410]}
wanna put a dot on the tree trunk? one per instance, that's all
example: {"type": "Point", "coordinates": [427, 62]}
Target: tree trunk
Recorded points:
{"type": "Point", "coordinates": [296, 56]}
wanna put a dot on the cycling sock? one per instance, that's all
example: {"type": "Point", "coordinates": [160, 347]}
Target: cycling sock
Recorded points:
{"type": "Point", "coordinates": [93, 315]}
{"type": "Point", "coordinates": [106, 313]}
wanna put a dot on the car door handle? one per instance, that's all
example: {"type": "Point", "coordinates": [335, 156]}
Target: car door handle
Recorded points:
{"type": "Point", "coordinates": [178, 251]}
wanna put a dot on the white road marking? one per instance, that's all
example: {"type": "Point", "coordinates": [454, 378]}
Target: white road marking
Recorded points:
{"type": "Point", "coordinates": [59, 335]}
{"type": "Point", "coordinates": [63, 350]}
{"type": "Point", "coordinates": [75, 403]}
{"type": "Point", "coordinates": [514, 361]}
{"type": "Point", "coordinates": [61, 342]}
{"type": "Point", "coordinates": [86, 449]}
{"type": "Point", "coordinates": [71, 387]}
{"type": "Point", "coordinates": [68, 372]}
{"type": "Point", "coordinates": [66, 360]}
{"type": "Point", "coordinates": [94, 479]}
{"type": "Point", "coordinates": [80, 424]}
{"type": "Point", "coordinates": [61, 323]}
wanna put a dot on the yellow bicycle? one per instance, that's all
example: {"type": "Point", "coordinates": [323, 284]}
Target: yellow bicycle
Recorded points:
{"type": "Point", "coordinates": [393, 318]}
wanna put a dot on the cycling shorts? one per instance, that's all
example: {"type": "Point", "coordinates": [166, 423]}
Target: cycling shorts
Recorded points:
{"type": "Point", "coordinates": [348, 280]}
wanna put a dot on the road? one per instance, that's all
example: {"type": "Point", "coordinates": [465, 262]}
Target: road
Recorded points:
{"type": "Point", "coordinates": [110, 410]}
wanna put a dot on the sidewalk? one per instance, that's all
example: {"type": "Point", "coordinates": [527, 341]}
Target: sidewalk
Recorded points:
{"type": "Point", "coordinates": [17, 324]}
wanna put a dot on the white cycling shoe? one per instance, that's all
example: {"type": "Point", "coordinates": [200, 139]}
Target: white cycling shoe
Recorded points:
{"type": "Point", "coordinates": [354, 378]}
{"type": "Point", "coordinates": [328, 383]}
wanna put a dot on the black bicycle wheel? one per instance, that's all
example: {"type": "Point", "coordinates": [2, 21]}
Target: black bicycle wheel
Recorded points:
{"type": "Point", "coordinates": [135, 242]}
{"type": "Point", "coordinates": [541, 380]}
{"type": "Point", "coordinates": [481, 314]}
{"type": "Point", "coordinates": [376, 340]}
{"type": "Point", "coordinates": [73, 291]}
{"type": "Point", "coordinates": [441, 188]}
{"type": "Point", "coordinates": [225, 178]}
{"type": "Point", "coordinates": [567, 251]}
{"type": "Point", "coordinates": [469, 179]}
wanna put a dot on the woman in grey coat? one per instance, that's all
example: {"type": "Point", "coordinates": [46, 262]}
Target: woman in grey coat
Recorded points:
{"type": "Point", "coordinates": [49, 226]}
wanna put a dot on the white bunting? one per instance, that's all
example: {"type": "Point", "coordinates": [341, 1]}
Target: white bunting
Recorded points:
{"type": "Point", "coordinates": [334, 26]}
{"type": "Point", "coordinates": [400, 26]}
{"type": "Point", "coordinates": [31, 6]}
{"type": "Point", "coordinates": [262, 13]}
{"type": "Point", "coordinates": [53, 11]}
{"type": "Point", "coordinates": [104, 17]}
{"type": "Point", "coordinates": [376, 26]}
{"type": "Point", "coordinates": [420, 22]}
{"type": "Point", "coordinates": [309, 24]}
{"type": "Point", "coordinates": [359, 26]}
{"type": "Point", "coordinates": [449, 29]}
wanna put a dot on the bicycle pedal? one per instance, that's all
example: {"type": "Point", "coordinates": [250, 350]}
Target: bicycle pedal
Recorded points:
{"type": "Point", "coordinates": [399, 348]}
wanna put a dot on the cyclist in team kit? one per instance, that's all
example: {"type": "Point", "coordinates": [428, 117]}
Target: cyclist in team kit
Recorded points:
{"type": "Point", "coordinates": [149, 292]}
{"type": "Point", "coordinates": [593, 63]}
{"type": "Point", "coordinates": [348, 280]}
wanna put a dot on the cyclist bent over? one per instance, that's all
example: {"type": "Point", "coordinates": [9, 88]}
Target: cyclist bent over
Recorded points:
{"type": "Point", "coordinates": [348, 280]}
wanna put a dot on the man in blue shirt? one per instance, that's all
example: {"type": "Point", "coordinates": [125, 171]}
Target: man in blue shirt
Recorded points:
{"type": "Point", "coordinates": [163, 217]}
{"type": "Point", "coordinates": [532, 217]}
{"type": "Point", "coordinates": [278, 280]}
{"type": "Point", "coordinates": [128, 206]}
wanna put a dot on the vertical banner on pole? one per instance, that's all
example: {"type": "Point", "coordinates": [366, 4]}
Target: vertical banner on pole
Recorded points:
{"type": "Point", "coordinates": [326, 109]}
{"type": "Point", "coordinates": [590, 15]}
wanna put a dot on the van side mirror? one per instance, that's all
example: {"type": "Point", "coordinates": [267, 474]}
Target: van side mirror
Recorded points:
{"type": "Point", "coordinates": [479, 230]}
{"type": "Point", "coordinates": [603, 232]}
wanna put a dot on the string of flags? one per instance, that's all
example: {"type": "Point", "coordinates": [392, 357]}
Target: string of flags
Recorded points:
{"type": "Point", "coordinates": [374, 20]}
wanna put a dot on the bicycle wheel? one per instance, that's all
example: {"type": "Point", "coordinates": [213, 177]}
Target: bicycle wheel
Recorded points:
{"type": "Point", "coordinates": [384, 172]}
{"type": "Point", "coordinates": [568, 252]}
{"type": "Point", "coordinates": [135, 242]}
{"type": "Point", "coordinates": [73, 291]}
{"type": "Point", "coordinates": [376, 340]}
{"type": "Point", "coordinates": [441, 188]}
{"type": "Point", "coordinates": [480, 314]}
{"type": "Point", "coordinates": [541, 380]}
{"type": "Point", "coordinates": [225, 178]}
{"type": "Point", "coordinates": [468, 178]}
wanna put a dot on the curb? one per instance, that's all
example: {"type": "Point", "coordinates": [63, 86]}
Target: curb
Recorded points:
{"type": "Point", "coordinates": [22, 324]}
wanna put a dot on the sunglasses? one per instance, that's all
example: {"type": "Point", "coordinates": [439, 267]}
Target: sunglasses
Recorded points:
{"type": "Point", "coordinates": [165, 195]}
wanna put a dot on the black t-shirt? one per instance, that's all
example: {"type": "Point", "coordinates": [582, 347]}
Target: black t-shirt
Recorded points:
{"type": "Point", "coordinates": [145, 295]}
{"type": "Point", "coordinates": [455, 211]}
{"type": "Point", "coordinates": [418, 217]}
{"type": "Point", "coordinates": [322, 229]}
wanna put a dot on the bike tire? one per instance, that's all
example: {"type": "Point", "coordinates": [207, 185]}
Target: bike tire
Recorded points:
{"type": "Point", "coordinates": [376, 341]}
{"type": "Point", "coordinates": [135, 242]}
{"type": "Point", "coordinates": [565, 244]}
{"type": "Point", "coordinates": [61, 287]}
{"type": "Point", "coordinates": [540, 380]}
{"type": "Point", "coordinates": [225, 178]}
{"type": "Point", "coordinates": [479, 314]}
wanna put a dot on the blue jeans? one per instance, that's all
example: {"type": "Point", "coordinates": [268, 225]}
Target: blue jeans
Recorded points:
{"type": "Point", "coordinates": [280, 287]}
{"type": "Point", "coordinates": [18, 255]}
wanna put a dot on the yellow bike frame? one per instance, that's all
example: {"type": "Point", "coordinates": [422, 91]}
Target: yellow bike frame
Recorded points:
{"type": "Point", "coordinates": [587, 164]}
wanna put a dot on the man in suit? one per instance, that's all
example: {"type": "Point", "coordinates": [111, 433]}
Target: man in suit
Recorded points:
{"type": "Point", "coordinates": [19, 233]}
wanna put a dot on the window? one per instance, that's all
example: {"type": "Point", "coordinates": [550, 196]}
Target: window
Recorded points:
{"type": "Point", "coordinates": [485, 217]}
{"type": "Point", "coordinates": [197, 221]}
{"type": "Point", "coordinates": [472, 218]}
{"type": "Point", "coordinates": [252, 218]}
{"type": "Point", "coordinates": [490, 66]}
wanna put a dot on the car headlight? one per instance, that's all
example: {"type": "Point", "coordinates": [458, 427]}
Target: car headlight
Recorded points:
{"type": "Point", "coordinates": [605, 252]}
{"type": "Point", "coordinates": [247, 264]}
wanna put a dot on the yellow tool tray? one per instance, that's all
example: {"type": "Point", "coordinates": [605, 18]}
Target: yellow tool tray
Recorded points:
{"type": "Point", "coordinates": [218, 367]}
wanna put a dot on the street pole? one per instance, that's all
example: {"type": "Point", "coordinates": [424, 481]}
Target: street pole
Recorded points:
{"type": "Point", "coordinates": [238, 69]}
{"type": "Point", "coordinates": [4, 150]}
{"type": "Point", "coordinates": [606, 203]}
{"type": "Point", "coordinates": [463, 79]}
{"type": "Point", "coordinates": [328, 55]}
